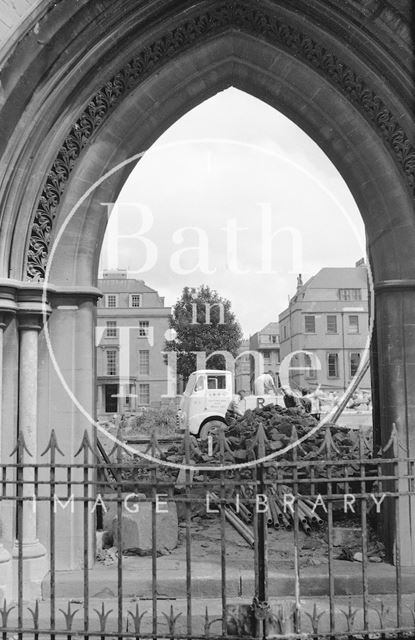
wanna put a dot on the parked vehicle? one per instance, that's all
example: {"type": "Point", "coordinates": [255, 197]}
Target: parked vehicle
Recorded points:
{"type": "Point", "coordinates": [207, 397]}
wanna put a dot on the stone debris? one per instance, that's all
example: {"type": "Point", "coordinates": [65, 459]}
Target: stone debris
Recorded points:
{"type": "Point", "coordinates": [104, 540]}
{"type": "Point", "coordinates": [136, 528]}
{"type": "Point", "coordinates": [281, 428]}
{"type": "Point", "coordinates": [107, 557]}
{"type": "Point", "coordinates": [346, 536]}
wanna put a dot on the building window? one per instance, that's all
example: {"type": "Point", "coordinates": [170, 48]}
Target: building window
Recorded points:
{"type": "Point", "coordinates": [111, 331]}
{"type": "Point", "coordinates": [331, 324]}
{"type": "Point", "coordinates": [143, 328]}
{"type": "Point", "coordinates": [111, 300]}
{"type": "Point", "coordinates": [144, 393]}
{"type": "Point", "coordinates": [111, 362]}
{"type": "Point", "coordinates": [144, 363]}
{"type": "Point", "coordinates": [308, 366]}
{"type": "Point", "coordinates": [350, 294]}
{"type": "Point", "coordinates": [310, 324]}
{"type": "Point", "coordinates": [135, 300]}
{"type": "Point", "coordinates": [130, 394]}
{"type": "Point", "coordinates": [354, 363]}
{"type": "Point", "coordinates": [285, 332]}
{"type": "Point", "coordinates": [267, 358]}
{"type": "Point", "coordinates": [353, 324]}
{"type": "Point", "coordinates": [332, 365]}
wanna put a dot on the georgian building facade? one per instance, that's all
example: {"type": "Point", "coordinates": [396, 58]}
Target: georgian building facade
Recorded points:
{"type": "Point", "coordinates": [131, 322]}
{"type": "Point", "coordinates": [328, 317]}
{"type": "Point", "coordinates": [267, 343]}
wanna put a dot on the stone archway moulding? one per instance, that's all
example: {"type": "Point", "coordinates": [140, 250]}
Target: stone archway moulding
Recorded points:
{"type": "Point", "coordinates": [228, 15]}
{"type": "Point", "coordinates": [83, 72]}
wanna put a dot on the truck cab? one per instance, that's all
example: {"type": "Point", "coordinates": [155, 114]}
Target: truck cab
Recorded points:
{"type": "Point", "coordinates": [206, 399]}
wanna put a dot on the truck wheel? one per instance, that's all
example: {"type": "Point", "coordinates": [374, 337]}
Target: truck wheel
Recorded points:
{"type": "Point", "coordinates": [210, 428]}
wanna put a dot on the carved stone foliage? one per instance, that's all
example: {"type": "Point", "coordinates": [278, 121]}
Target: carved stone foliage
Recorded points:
{"type": "Point", "coordinates": [248, 18]}
{"type": "Point", "coordinates": [367, 7]}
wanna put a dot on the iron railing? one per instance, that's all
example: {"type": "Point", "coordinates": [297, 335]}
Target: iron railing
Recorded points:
{"type": "Point", "coordinates": [253, 594]}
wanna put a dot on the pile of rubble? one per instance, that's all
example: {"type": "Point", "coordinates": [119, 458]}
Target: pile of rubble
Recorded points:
{"type": "Point", "coordinates": [280, 428]}
{"type": "Point", "coordinates": [262, 432]}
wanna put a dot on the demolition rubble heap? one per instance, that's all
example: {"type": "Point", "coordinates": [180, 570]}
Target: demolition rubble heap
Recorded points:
{"type": "Point", "coordinates": [281, 428]}
{"type": "Point", "coordinates": [296, 450]}
{"type": "Point", "coordinates": [263, 432]}
{"type": "Point", "coordinates": [298, 455]}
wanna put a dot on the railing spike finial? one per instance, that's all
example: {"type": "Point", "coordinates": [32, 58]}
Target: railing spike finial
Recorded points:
{"type": "Point", "coordinates": [393, 441]}
{"type": "Point", "coordinates": [281, 619]}
{"type": "Point", "coordinates": [52, 445]}
{"type": "Point", "coordinates": [69, 616]}
{"type": "Point", "coordinates": [103, 616]}
{"type": "Point", "coordinates": [383, 613]}
{"type": "Point", "coordinates": [35, 614]}
{"type": "Point", "coordinates": [328, 443]}
{"type": "Point", "coordinates": [315, 618]}
{"type": "Point", "coordinates": [118, 445]}
{"type": "Point", "coordinates": [411, 609]}
{"type": "Point", "coordinates": [206, 626]}
{"type": "Point", "coordinates": [350, 615]}
{"type": "Point", "coordinates": [136, 617]}
{"type": "Point", "coordinates": [208, 623]}
{"type": "Point", "coordinates": [153, 445]}
{"type": "Point", "coordinates": [261, 435]}
{"type": "Point", "coordinates": [171, 620]}
{"type": "Point", "coordinates": [5, 612]}
{"type": "Point", "coordinates": [21, 446]}
{"type": "Point", "coordinates": [294, 439]}
{"type": "Point", "coordinates": [294, 434]}
{"type": "Point", "coordinates": [259, 441]}
{"type": "Point", "coordinates": [85, 445]}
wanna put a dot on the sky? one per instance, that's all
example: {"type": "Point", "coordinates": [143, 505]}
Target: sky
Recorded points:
{"type": "Point", "coordinates": [236, 196]}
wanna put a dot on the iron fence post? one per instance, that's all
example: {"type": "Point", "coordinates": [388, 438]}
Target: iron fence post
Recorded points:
{"type": "Point", "coordinates": [260, 605]}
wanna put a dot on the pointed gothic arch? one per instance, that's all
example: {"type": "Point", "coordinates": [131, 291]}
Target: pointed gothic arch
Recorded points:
{"type": "Point", "coordinates": [86, 85]}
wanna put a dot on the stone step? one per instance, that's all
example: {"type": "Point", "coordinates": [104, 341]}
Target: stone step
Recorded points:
{"type": "Point", "coordinates": [206, 580]}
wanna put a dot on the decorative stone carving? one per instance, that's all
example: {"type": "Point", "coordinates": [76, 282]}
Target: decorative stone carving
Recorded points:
{"type": "Point", "coordinates": [367, 7]}
{"type": "Point", "coordinates": [244, 17]}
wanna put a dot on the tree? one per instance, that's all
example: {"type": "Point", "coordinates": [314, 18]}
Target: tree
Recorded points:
{"type": "Point", "coordinates": [203, 322]}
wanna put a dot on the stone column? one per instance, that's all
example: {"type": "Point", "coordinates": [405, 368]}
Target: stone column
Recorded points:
{"type": "Point", "coordinates": [35, 564]}
{"type": "Point", "coordinates": [66, 398]}
{"type": "Point", "coordinates": [395, 324]}
{"type": "Point", "coordinates": [5, 558]}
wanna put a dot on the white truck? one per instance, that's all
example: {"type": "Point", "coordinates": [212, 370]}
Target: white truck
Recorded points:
{"type": "Point", "coordinates": [206, 399]}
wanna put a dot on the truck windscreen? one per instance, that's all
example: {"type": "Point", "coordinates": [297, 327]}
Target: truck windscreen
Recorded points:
{"type": "Point", "coordinates": [216, 382]}
{"type": "Point", "coordinates": [190, 385]}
